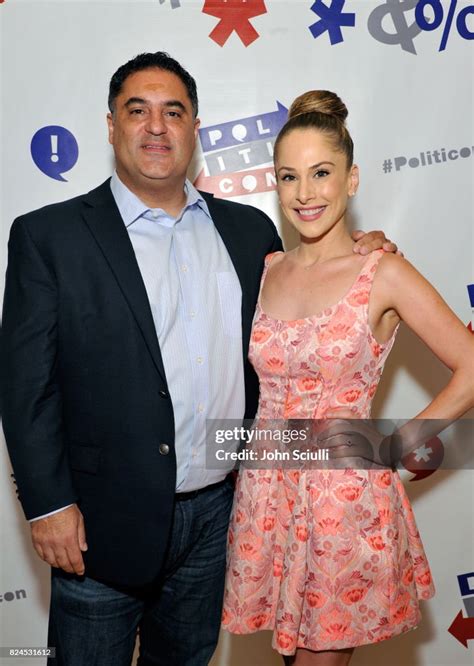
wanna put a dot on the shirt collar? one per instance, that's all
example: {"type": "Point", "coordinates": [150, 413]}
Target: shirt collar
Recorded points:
{"type": "Point", "coordinates": [131, 207]}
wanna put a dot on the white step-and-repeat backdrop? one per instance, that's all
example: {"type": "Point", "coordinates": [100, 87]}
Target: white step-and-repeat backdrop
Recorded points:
{"type": "Point", "coordinates": [404, 69]}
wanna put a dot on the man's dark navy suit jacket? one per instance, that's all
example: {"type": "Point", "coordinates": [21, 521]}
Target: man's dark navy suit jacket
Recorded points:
{"type": "Point", "coordinates": [85, 402]}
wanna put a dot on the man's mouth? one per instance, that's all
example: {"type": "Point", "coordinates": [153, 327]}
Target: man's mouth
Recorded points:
{"type": "Point", "coordinates": [156, 147]}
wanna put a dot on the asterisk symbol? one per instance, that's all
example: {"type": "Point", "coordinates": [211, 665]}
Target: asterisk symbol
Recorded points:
{"type": "Point", "coordinates": [422, 453]}
{"type": "Point", "coordinates": [331, 20]}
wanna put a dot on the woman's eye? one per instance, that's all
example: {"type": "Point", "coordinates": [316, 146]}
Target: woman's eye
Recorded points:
{"type": "Point", "coordinates": [287, 177]}
{"type": "Point", "coordinates": [321, 173]}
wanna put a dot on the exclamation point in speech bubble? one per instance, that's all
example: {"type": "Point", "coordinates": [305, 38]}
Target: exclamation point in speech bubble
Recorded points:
{"type": "Point", "coordinates": [54, 150]}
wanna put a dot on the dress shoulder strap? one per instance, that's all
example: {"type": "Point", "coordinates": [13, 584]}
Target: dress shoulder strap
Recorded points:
{"type": "Point", "coordinates": [267, 262]}
{"type": "Point", "coordinates": [361, 288]}
{"type": "Point", "coordinates": [370, 266]}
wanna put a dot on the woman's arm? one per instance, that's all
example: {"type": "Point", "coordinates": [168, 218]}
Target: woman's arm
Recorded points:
{"type": "Point", "coordinates": [400, 289]}
{"type": "Point", "coordinates": [400, 292]}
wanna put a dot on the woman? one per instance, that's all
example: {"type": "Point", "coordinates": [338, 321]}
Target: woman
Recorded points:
{"type": "Point", "coordinates": [331, 558]}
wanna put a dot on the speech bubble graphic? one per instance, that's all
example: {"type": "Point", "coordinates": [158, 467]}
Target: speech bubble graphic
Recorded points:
{"type": "Point", "coordinates": [54, 150]}
{"type": "Point", "coordinates": [424, 460]}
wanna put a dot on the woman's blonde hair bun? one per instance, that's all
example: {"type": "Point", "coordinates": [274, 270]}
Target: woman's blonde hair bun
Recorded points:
{"type": "Point", "coordinates": [319, 101]}
{"type": "Point", "coordinates": [323, 111]}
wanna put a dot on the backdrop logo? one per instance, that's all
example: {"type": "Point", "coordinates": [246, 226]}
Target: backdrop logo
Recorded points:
{"type": "Point", "coordinates": [429, 15]}
{"type": "Point", "coordinates": [54, 151]}
{"type": "Point", "coordinates": [403, 33]}
{"type": "Point", "coordinates": [234, 150]}
{"type": "Point", "coordinates": [439, 15]}
{"type": "Point", "coordinates": [234, 16]}
{"type": "Point", "coordinates": [470, 291]}
{"type": "Point", "coordinates": [13, 596]}
{"type": "Point", "coordinates": [331, 19]}
{"type": "Point", "coordinates": [462, 628]}
{"type": "Point", "coordinates": [390, 23]}
{"type": "Point", "coordinates": [424, 460]}
{"type": "Point", "coordinates": [174, 3]}
{"type": "Point", "coordinates": [426, 158]}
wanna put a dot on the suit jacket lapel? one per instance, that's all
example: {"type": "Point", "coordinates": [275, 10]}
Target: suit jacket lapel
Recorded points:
{"type": "Point", "coordinates": [105, 223]}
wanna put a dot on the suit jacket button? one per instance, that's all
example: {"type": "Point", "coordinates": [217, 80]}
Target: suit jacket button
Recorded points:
{"type": "Point", "coordinates": [163, 394]}
{"type": "Point", "coordinates": [164, 449]}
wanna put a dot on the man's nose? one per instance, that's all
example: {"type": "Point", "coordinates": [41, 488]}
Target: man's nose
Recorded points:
{"type": "Point", "coordinates": [156, 123]}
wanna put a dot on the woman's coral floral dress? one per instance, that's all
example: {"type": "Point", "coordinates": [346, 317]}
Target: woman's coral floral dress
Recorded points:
{"type": "Point", "coordinates": [328, 559]}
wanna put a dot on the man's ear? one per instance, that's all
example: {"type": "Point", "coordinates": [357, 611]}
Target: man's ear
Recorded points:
{"type": "Point", "coordinates": [110, 125]}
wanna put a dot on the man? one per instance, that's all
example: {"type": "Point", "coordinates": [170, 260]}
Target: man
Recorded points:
{"type": "Point", "coordinates": [126, 325]}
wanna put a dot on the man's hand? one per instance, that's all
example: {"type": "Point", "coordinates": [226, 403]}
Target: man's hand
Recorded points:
{"type": "Point", "coordinates": [373, 240]}
{"type": "Point", "coordinates": [60, 539]}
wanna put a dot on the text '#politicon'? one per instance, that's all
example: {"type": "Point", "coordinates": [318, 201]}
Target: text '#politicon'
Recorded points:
{"type": "Point", "coordinates": [54, 150]}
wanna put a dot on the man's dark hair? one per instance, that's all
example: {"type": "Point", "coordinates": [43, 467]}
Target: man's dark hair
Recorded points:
{"type": "Point", "coordinates": [160, 60]}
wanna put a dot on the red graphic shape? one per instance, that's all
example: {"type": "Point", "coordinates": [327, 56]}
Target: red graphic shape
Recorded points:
{"type": "Point", "coordinates": [469, 327]}
{"type": "Point", "coordinates": [462, 628]}
{"type": "Point", "coordinates": [237, 184]}
{"type": "Point", "coordinates": [424, 460]}
{"type": "Point", "coordinates": [235, 16]}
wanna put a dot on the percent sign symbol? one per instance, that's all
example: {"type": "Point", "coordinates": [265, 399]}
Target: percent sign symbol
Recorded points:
{"type": "Point", "coordinates": [438, 15]}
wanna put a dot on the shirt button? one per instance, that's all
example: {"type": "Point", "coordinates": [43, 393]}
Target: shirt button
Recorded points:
{"type": "Point", "coordinates": [194, 453]}
{"type": "Point", "coordinates": [154, 214]}
{"type": "Point", "coordinates": [192, 314]}
{"type": "Point", "coordinates": [200, 360]}
{"type": "Point", "coordinates": [184, 268]}
{"type": "Point", "coordinates": [164, 449]}
{"type": "Point", "coordinates": [163, 394]}
{"type": "Point", "coordinates": [200, 407]}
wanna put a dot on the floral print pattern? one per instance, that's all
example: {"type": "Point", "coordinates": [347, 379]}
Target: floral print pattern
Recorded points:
{"type": "Point", "coordinates": [327, 559]}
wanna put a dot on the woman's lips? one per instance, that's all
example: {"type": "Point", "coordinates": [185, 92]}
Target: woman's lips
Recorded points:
{"type": "Point", "coordinates": [310, 214]}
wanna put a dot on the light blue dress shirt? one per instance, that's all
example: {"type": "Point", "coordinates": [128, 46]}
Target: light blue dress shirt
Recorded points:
{"type": "Point", "coordinates": [195, 299]}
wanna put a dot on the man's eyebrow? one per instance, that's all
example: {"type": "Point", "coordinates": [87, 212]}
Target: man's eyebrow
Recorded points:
{"type": "Point", "coordinates": [175, 103]}
{"type": "Point", "coordinates": [134, 100]}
